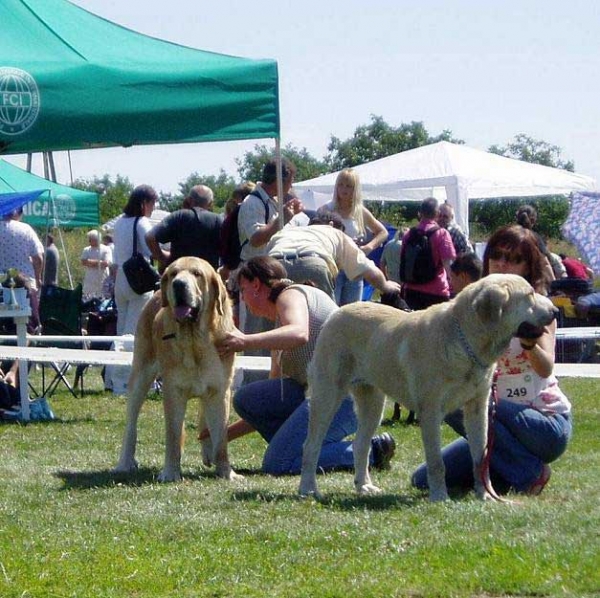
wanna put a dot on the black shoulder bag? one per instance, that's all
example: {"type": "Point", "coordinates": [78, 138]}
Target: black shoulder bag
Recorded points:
{"type": "Point", "coordinates": [141, 275]}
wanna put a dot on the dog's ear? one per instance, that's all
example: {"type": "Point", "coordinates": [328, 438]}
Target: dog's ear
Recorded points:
{"type": "Point", "coordinates": [489, 303]}
{"type": "Point", "coordinates": [163, 289]}
{"type": "Point", "coordinates": [220, 294]}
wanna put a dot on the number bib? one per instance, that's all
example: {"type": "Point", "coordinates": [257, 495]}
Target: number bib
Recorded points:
{"type": "Point", "coordinates": [518, 388]}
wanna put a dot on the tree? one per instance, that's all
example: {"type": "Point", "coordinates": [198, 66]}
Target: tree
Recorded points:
{"type": "Point", "coordinates": [377, 140]}
{"type": "Point", "coordinates": [113, 195]}
{"type": "Point", "coordinates": [525, 148]}
{"type": "Point", "coordinates": [222, 185]}
{"type": "Point", "coordinates": [307, 167]}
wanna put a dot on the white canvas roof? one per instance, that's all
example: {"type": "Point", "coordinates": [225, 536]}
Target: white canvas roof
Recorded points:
{"type": "Point", "coordinates": [450, 172]}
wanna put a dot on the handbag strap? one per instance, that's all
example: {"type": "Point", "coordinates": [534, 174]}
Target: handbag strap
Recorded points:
{"type": "Point", "coordinates": [135, 251]}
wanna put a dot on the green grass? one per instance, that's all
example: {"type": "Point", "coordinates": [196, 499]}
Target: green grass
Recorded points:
{"type": "Point", "coordinates": [68, 528]}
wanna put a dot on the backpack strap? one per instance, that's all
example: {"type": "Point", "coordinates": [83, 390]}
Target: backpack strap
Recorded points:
{"type": "Point", "coordinates": [256, 193]}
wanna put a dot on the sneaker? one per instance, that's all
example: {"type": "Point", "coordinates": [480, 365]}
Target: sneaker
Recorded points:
{"type": "Point", "coordinates": [383, 448]}
{"type": "Point", "coordinates": [539, 484]}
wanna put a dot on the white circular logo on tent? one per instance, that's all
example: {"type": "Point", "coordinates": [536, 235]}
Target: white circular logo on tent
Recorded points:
{"type": "Point", "coordinates": [64, 208]}
{"type": "Point", "coordinates": [19, 101]}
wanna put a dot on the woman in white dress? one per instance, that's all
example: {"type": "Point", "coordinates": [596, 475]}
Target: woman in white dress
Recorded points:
{"type": "Point", "coordinates": [129, 303]}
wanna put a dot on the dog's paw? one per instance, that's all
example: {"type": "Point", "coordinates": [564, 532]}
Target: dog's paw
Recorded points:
{"type": "Point", "coordinates": [308, 486]}
{"type": "Point", "coordinates": [169, 476]}
{"type": "Point", "coordinates": [125, 467]}
{"type": "Point", "coordinates": [229, 475]}
{"type": "Point", "coordinates": [438, 496]}
{"type": "Point", "coordinates": [368, 489]}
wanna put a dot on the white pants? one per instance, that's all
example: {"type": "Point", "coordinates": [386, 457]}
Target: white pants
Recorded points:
{"type": "Point", "coordinates": [129, 304]}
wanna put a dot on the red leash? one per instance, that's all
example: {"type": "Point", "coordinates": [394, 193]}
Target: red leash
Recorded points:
{"type": "Point", "coordinates": [487, 457]}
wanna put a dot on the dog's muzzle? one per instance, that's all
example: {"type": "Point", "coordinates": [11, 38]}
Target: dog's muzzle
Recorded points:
{"type": "Point", "coordinates": [528, 330]}
{"type": "Point", "coordinates": [187, 305]}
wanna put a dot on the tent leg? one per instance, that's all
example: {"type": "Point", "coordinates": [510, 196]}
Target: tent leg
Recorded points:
{"type": "Point", "coordinates": [279, 182]}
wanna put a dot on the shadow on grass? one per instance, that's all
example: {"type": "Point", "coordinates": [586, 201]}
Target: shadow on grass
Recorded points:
{"type": "Point", "coordinates": [376, 502]}
{"type": "Point", "coordinates": [106, 478]}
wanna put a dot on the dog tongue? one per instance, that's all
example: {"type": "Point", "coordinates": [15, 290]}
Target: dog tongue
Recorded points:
{"type": "Point", "coordinates": [182, 312]}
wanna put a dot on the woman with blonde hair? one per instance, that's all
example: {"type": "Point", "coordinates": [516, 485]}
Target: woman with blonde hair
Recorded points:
{"type": "Point", "coordinates": [358, 222]}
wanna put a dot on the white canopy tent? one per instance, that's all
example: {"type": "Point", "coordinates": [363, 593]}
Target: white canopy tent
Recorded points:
{"type": "Point", "coordinates": [451, 172]}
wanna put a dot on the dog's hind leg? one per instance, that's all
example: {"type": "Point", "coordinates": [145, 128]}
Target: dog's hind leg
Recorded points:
{"type": "Point", "coordinates": [139, 384]}
{"type": "Point", "coordinates": [327, 394]}
{"type": "Point", "coordinates": [369, 403]}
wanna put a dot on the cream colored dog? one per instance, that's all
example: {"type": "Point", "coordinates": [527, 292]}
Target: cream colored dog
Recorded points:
{"type": "Point", "coordinates": [433, 361]}
{"type": "Point", "coordinates": [175, 339]}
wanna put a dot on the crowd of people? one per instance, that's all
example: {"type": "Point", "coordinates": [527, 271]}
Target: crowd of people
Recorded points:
{"type": "Point", "coordinates": [288, 279]}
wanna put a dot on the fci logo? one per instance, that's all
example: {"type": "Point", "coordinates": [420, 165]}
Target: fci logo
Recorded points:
{"type": "Point", "coordinates": [19, 101]}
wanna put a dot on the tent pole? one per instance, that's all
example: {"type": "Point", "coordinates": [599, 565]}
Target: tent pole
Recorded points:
{"type": "Point", "coordinates": [29, 159]}
{"type": "Point", "coordinates": [279, 182]}
{"type": "Point", "coordinates": [52, 168]}
{"type": "Point", "coordinates": [45, 160]}
{"type": "Point", "coordinates": [62, 241]}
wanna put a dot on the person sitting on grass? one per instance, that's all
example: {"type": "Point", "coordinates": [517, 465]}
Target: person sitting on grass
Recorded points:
{"type": "Point", "coordinates": [277, 408]}
{"type": "Point", "coordinates": [531, 423]}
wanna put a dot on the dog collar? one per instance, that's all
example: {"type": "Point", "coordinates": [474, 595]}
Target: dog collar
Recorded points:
{"type": "Point", "coordinates": [167, 337]}
{"type": "Point", "coordinates": [464, 343]}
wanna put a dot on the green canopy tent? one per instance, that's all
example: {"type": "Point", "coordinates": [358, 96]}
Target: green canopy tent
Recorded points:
{"type": "Point", "coordinates": [57, 206]}
{"type": "Point", "coordinates": [46, 204]}
{"type": "Point", "coordinates": [72, 80]}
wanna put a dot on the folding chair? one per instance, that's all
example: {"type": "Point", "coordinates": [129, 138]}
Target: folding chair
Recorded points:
{"type": "Point", "coordinates": [60, 314]}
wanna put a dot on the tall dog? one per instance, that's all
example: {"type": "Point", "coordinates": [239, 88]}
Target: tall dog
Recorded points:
{"type": "Point", "coordinates": [175, 339]}
{"type": "Point", "coordinates": [433, 361]}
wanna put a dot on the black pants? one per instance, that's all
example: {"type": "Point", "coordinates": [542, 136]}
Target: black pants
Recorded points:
{"type": "Point", "coordinates": [417, 300]}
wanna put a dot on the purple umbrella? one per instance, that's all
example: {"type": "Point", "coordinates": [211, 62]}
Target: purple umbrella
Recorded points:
{"type": "Point", "coordinates": [582, 227]}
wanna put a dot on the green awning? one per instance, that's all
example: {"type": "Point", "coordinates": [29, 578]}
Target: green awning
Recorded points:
{"type": "Point", "coordinates": [72, 80]}
{"type": "Point", "coordinates": [57, 205]}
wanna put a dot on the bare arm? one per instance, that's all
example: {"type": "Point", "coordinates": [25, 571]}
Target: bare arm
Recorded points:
{"type": "Point", "coordinates": [375, 277]}
{"type": "Point", "coordinates": [379, 231]}
{"type": "Point", "coordinates": [38, 265]}
{"type": "Point", "coordinates": [292, 311]}
{"type": "Point", "coordinates": [158, 253]}
{"type": "Point", "coordinates": [263, 235]}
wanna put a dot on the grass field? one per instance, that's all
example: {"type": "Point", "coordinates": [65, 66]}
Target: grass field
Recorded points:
{"type": "Point", "coordinates": [68, 528]}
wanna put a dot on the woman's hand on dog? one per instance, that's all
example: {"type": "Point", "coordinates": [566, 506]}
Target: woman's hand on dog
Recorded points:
{"type": "Point", "coordinates": [232, 342]}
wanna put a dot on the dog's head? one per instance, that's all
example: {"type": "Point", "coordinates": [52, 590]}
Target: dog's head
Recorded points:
{"type": "Point", "coordinates": [508, 304]}
{"type": "Point", "coordinates": [190, 287]}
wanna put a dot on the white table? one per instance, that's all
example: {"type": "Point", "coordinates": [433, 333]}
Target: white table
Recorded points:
{"type": "Point", "coordinates": [20, 316]}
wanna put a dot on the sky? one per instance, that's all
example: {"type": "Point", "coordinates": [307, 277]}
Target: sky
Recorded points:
{"type": "Point", "coordinates": [486, 71]}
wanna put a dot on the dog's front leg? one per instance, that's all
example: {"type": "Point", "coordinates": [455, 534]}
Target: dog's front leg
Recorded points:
{"type": "Point", "coordinates": [436, 471]}
{"type": "Point", "coordinates": [174, 409]}
{"type": "Point", "coordinates": [476, 427]}
{"type": "Point", "coordinates": [138, 387]}
{"type": "Point", "coordinates": [216, 414]}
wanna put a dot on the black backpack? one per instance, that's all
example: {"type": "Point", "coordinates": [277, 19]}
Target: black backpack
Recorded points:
{"type": "Point", "coordinates": [416, 258]}
{"type": "Point", "coordinates": [230, 246]}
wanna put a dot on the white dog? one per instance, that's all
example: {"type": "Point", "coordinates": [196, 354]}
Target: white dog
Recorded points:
{"type": "Point", "coordinates": [433, 361]}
